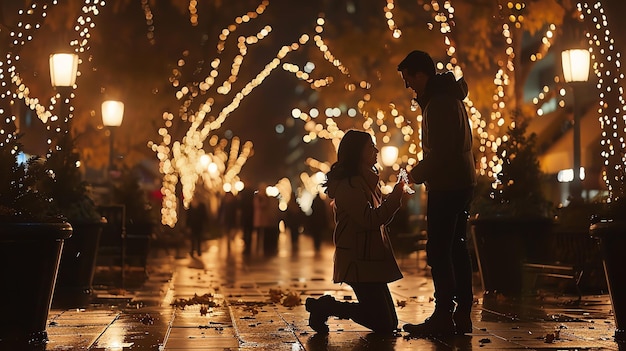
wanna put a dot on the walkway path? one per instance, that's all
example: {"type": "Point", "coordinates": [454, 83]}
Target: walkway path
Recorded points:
{"type": "Point", "coordinates": [237, 313]}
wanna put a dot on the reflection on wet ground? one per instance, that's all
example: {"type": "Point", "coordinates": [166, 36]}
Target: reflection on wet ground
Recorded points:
{"type": "Point", "coordinates": [224, 300]}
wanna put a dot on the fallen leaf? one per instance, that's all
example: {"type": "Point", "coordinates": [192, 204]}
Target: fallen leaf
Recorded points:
{"type": "Point", "coordinates": [291, 300]}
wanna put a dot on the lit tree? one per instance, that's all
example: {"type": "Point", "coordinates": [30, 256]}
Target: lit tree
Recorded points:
{"type": "Point", "coordinates": [15, 38]}
{"type": "Point", "coordinates": [545, 21]}
{"type": "Point", "coordinates": [482, 41]}
{"type": "Point", "coordinates": [378, 99]}
{"type": "Point", "coordinates": [351, 72]}
{"type": "Point", "coordinates": [612, 111]}
{"type": "Point", "coordinates": [20, 87]}
{"type": "Point", "coordinates": [346, 65]}
{"type": "Point", "coordinates": [207, 99]}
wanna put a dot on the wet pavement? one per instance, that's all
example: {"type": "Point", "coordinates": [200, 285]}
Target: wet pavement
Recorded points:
{"type": "Point", "coordinates": [225, 300]}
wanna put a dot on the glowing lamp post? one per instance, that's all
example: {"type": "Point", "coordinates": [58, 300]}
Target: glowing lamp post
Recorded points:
{"type": "Point", "coordinates": [576, 64]}
{"type": "Point", "coordinates": [63, 70]}
{"type": "Point", "coordinates": [112, 116]}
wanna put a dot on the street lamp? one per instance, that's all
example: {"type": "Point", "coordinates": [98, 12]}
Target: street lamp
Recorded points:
{"type": "Point", "coordinates": [576, 64]}
{"type": "Point", "coordinates": [63, 70]}
{"type": "Point", "coordinates": [112, 116]}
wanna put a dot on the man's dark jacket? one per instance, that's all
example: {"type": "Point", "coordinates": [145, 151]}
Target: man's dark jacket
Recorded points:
{"type": "Point", "coordinates": [448, 162]}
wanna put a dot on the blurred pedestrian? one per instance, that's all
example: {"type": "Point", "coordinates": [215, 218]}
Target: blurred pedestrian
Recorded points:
{"type": "Point", "coordinates": [197, 218]}
{"type": "Point", "coordinates": [267, 220]}
{"type": "Point", "coordinates": [227, 216]}
{"type": "Point", "coordinates": [318, 222]}
{"type": "Point", "coordinates": [246, 217]}
{"type": "Point", "coordinates": [364, 258]}
{"type": "Point", "coordinates": [448, 171]}
{"type": "Point", "coordinates": [293, 220]}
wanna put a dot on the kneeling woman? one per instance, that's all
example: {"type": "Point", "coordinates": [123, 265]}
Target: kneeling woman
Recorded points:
{"type": "Point", "coordinates": [364, 258]}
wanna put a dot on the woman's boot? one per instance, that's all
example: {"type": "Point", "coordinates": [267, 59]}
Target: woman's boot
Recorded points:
{"type": "Point", "coordinates": [319, 311]}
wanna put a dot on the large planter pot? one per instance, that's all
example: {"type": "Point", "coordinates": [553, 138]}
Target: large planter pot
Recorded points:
{"type": "Point", "coordinates": [502, 245]}
{"type": "Point", "coordinates": [612, 236]}
{"type": "Point", "coordinates": [29, 261]}
{"type": "Point", "coordinates": [78, 264]}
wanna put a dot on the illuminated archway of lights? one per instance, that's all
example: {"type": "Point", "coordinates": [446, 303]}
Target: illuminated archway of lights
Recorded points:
{"type": "Point", "coordinates": [13, 86]}
{"type": "Point", "coordinates": [612, 107]}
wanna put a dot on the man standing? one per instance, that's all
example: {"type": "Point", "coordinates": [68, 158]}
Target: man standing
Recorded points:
{"type": "Point", "coordinates": [448, 171]}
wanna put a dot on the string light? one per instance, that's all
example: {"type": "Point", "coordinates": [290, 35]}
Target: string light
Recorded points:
{"type": "Point", "coordinates": [15, 88]}
{"type": "Point", "coordinates": [445, 20]}
{"type": "Point", "coordinates": [395, 31]}
{"type": "Point", "coordinates": [179, 159]}
{"type": "Point", "coordinates": [147, 12]}
{"type": "Point", "coordinates": [546, 43]}
{"type": "Point", "coordinates": [612, 107]}
{"type": "Point", "coordinates": [327, 128]}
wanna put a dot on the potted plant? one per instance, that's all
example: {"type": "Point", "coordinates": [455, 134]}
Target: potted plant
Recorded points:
{"type": "Point", "coordinates": [31, 242]}
{"type": "Point", "coordinates": [510, 215]}
{"type": "Point", "coordinates": [62, 181]}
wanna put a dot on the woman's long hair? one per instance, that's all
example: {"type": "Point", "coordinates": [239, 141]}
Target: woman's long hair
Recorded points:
{"type": "Point", "coordinates": [349, 156]}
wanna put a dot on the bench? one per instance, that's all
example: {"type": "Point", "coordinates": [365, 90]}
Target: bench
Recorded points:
{"type": "Point", "coordinates": [111, 251]}
{"type": "Point", "coordinates": [563, 255]}
{"type": "Point", "coordinates": [558, 271]}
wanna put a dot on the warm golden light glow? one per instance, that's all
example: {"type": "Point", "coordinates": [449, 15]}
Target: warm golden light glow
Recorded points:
{"type": "Point", "coordinates": [388, 155]}
{"type": "Point", "coordinates": [575, 64]}
{"type": "Point", "coordinates": [14, 86]}
{"type": "Point", "coordinates": [63, 69]}
{"type": "Point", "coordinates": [112, 113]}
{"type": "Point", "coordinates": [179, 156]}
{"type": "Point", "coordinates": [612, 111]}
